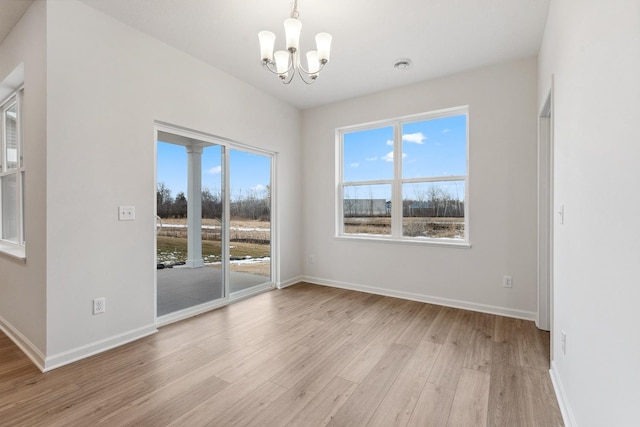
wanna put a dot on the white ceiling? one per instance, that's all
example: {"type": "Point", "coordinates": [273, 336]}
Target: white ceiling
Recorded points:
{"type": "Point", "coordinates": [441, 37]}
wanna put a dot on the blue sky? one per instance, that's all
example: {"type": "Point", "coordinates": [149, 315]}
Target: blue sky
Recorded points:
{"type": "Point", "coordinates": [248, 172]}
{"type": "Point", "coordinates": [430, 148]}
{"type": "Point", "coordinates": [434, 147]}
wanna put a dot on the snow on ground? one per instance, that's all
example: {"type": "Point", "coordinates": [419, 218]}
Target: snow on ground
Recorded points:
{"type": "Point", "coordinates": [215, 227]}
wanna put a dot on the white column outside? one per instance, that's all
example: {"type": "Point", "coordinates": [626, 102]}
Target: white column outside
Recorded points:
{"type": "Point", "coordinates": [194, 207]}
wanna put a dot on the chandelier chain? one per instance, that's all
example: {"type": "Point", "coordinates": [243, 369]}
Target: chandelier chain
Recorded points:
{"type": "Point", "coordinates": [294, 10]}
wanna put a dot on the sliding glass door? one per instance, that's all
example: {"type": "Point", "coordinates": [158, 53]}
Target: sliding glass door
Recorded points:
{"type": "Point", "coordinates": [250, 225]}
{"type": "Point", "coordinates": [190, 271]}
{"type": "Point", "coordinates": [213, 223]}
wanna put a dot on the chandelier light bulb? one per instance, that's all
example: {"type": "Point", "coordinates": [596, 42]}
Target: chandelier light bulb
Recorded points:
{"type": "Point", "coordinates": [323, 43]}
{"type": "Point", "coordinates": [313, 63]}
{"type": "Point", "coordinates": [292, 28]}
{"type": "Point", "coordinates": [267, 41]}
{"type": "Point", "coordinates": [282, 62]}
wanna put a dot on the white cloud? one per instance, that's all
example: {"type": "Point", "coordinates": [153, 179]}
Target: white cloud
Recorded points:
{"type": "Point", "coordinates": [389, 141]}
{"type": "Point", "coordinates": [389, 156]}
{"type": "Point", "coordinates": [446, 130]}
{"type": "Point", "coordinates": [215, 170]}
{"type": "Point", "coordinates": [371, 159]}
{"type": "Point", "coordinates": [354, 165]}
{"type": "Point", "coordinates": [416, 138]}
{"type": "Point", "coordinates": [258, 188]}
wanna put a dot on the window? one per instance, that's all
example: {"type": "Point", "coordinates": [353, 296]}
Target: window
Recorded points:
{"type": "Point", "coordinates": [12, 173]}
{"type": "Point", "coordinates": [422, 197]}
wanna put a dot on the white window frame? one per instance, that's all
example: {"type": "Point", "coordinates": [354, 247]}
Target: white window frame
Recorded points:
{"type": "Point", "coordinates": [14, 249]}
{"type": "Point", "coordinates": [397, 181]}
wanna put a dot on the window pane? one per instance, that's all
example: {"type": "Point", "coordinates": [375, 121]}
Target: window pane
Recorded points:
{"type": "Point", "coordinates": [433, 209]}
{"type": "Point", "coordinates": [368, 155]}
{"type": "Point", "coordinates": [9, 208]}
{"type": "Point", "coordinates": [436, 147]}
{"type": "Point", "coordinates": [11, 137]}
{"type": "Point", "coordinates": [24, 236]}
{"type": "Point", "coordinates": [367, 209]}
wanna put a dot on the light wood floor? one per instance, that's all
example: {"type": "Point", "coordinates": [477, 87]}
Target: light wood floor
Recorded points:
{"type": "Point", "coordinates": [304, 356]}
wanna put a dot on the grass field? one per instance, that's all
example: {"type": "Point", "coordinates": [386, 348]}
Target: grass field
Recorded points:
{"type": "Point", "coordinates": [250, 240]}
{"type": "Point", "coordinates": [450, 228]}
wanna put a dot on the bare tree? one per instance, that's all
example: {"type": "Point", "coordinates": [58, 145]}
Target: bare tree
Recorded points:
{"type": "Point", "coordinates": [164, 201]}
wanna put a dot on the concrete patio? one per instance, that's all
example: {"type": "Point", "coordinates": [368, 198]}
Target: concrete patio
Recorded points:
{"type": "Point", "coordinates": [183, 287]}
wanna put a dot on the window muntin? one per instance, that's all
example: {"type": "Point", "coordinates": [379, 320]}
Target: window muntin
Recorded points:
{"type": "Point", "coordinates": [425, 195]}
{"type": "Point", "coordinates": [12, 172]}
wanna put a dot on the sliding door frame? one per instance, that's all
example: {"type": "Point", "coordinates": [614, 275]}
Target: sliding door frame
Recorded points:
{"type": "Point", "coordinates": [227, 145]}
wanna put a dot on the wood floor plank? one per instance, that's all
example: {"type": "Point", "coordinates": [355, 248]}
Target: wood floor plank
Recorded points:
{"type": "Point", "coordinates": [321, 409]}
{"type": "Point", "coordinates": [441, 325]}
{"type": "Point", "coordinates": [531, 349]}
{"type": "Point", "coordinates": [255, 360]}
{"type": "Point", "coordinates": [433, 407]}
{"type": "Point", "coordinates": [479, 350]}
{"type": "Point", "coordinates": [242, 387]}
{"type": "Point", "coordinates": [316, 378]}
{"type": "Point", "coordinates": [471, 401]}
{"type": "Point", "coordinates": [541, 402]}
{"type": "Point", "coordinates": [359, 408]}
{"type": "Point", "coordinates": [507, 401]}
{"type": "Point", "coordinates": [448, 365]}
{"type": "Point", "coordinates": [381, 337]}
{"type": "Point", "coordinates": [419, 325]}
{"type": "Point", "coordinates": [243, 412]}
{"type": "Point", "coordinates": [400, 401]}
{"type": "Point", "coordinates": [305, 355]}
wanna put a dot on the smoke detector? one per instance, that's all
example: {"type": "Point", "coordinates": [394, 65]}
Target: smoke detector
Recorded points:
{"type": "Point", "coordinates": [402, 64]}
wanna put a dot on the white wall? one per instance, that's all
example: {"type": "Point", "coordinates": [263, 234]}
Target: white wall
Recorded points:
{"type": "Point", "coordinates": [592, 47]}
{"type": "Point", "coordinates": [23, 285]}
{"type": "Point", "coordinates": [502, 174]}
{"type": "Point", "coordinates": [107, 83]}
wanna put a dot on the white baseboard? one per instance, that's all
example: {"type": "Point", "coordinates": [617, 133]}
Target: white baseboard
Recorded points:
{"type": "Point", "coordinates": [561, 396]}
{"type": "Point", "coordinates": [466, 305]}
{"type": "Point", "coordinates": [287, 283]}
{"type": "Point", "coordinates": [27, 347]}
{"type": "Point", "coordinates": [64, 358]}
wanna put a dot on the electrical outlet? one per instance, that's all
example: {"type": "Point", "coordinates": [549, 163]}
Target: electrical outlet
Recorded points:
{"type": "Point", "coordinates": [99, 305]}
{"type": "Point", "coordinates": [564, 342]}
{"type": "Point", "coordinates": [126, 213]}
{"type": "Point", "coordinates": [507, 282]}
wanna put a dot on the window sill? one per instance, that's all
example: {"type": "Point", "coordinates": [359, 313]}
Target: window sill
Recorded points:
{"type": "Point", "coordinates": [419, 242]}
{"type": "Point", "coordinates": [16, 252]}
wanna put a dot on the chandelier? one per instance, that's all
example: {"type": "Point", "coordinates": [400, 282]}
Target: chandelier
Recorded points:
{"type": "Point", "coordinates": [286, 64]}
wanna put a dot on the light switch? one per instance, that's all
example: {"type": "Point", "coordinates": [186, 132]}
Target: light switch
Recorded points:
{"type": "Point", "coordinates": [126, 213]}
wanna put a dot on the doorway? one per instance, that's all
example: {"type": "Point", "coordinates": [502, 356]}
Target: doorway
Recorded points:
{"type": "Point", "coordinates": [545, 215]}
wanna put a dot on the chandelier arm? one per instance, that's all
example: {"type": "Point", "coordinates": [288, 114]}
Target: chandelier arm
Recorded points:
{"type": "Point", "coordinates": [322, 64]}
{"type": "Point", "coordinates": [302, 75]}
{"type": "Point", "coordinates": [291, 76]}
{"type": "Point", "coordinates": [269, 66]}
